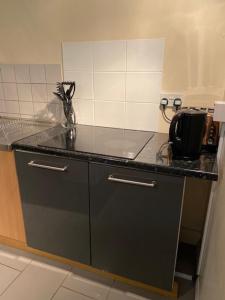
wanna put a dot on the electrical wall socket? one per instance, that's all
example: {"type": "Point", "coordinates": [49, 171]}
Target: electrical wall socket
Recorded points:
{"type": "Point", "coordinates": [171, 97]}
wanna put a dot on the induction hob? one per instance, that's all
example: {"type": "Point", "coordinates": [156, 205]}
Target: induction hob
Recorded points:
{"type": "Point", "coordinates": [120, 143]}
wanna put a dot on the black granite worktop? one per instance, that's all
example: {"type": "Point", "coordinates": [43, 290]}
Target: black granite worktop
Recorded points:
{"type": "Point", "coordinates": [154, 157]}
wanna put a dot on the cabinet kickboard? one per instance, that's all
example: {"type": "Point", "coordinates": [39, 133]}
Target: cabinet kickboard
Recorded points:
{"type": "Point", "coordinates": [22, 246]}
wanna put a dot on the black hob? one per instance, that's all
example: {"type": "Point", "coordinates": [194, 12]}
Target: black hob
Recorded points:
{"type": "Point", "coordinates": [121, 143]}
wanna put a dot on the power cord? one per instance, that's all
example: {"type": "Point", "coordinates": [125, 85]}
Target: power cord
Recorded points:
{"type": "Point", "coordinates": [165, 117]}
{"type": "Point", "coordinates": [159, 154]}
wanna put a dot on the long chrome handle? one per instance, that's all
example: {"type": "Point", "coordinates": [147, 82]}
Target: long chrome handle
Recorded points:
{"type": "Point", "coordinates": [146, 184]}
{"type": "Point", "coordinates": [36, 165]}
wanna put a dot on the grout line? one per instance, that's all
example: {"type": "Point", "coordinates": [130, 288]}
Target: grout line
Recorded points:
{"type": "Point", "coordinates": [109, 291]}
{"type": "Point", "coordinates": [61, 285]}
{"type": "Point", "coordinates": [20, 273]}
{"type": "Point", "coordinates": [8, 286]}
{"type": "Point", "coordinates": [76, 292]}
{"type": "Point", "coordinates": [14, 70]}
{"type": "Point", "coordinates": [10, 267]}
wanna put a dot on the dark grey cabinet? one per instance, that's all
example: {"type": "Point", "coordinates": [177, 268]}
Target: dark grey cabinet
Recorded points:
{"type": "Point", "coordinates": [55, 201]}
{"type": "Point", "coordinates": [135, 221]}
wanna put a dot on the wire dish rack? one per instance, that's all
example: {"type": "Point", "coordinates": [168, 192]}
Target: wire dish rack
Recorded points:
{"type": "Point", "coordinates": [12, 130]}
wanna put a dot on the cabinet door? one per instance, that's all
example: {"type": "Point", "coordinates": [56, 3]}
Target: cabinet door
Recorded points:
{"type": "Point", "coordinates": [55, 203]}
{"type": "Point", "coordinates": [135, 221]}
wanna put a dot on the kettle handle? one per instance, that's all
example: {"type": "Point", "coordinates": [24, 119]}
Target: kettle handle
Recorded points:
{"type": "Point", "coordinates": [172, 132]}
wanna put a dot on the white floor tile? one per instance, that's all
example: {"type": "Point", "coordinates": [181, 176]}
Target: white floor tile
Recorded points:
{"type": "Point", "coordinates": [38, 282]}
{"type": "Point", "coordinates": [126, 292]}
{"type": "Point", "coordinates": [88, 284]}
{"type": "Point", "coordinates": [119, 295]}
{"type": "Point", "coordinates": [65, 294]}
{"type": "Point", "coordinates": [7, 276]}
{"type": "Point", "coordinates": [13, 258]}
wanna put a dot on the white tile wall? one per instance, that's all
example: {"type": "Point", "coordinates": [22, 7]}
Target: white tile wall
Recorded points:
{"type": "Point", "coordinates": [109, 113]}
{"type": "Point", "coordinates": [10, 91]}
{"type": "Point", "coordinates": [109, 86]}
{"type": "Point", "coordinates": [1, 91]}
{"type": "Point", "coordinates": [118, 83]}
{"type": "Point", "coordinates": [2, 106]}
{"type": "Point", "coordinates": [109, 56]}
{"type": "Point", "coordinates": [22, 73]}
{"type": "Point", "coordinates": [143, 87]}
{"type": "Point", "coordinates": [39, 92]}
{"type": "Point", "coordinates": [12, 107]}
{"type": "Point", "coordinates": [26, 108]}
{"type": "Point", "coordinates": [37, 74]}
{"type": "Point", "coordinates": [78, 56]}
{"type": "Point", "coordinates": [145, 55]}
{"type": "Point", "coordinates": [24, 92]}
{"type": "Point", "coordinates": [27, 91]}
{"type": "Point", "coordinates": [143, 116]}
{"type": "Point", "coordinates": [84, 110]}
{"type": "Point", "coordinates": [53, 73]}
{"type": "Point", "coordinates": [84, 83]}
{"type": "Point", "coordinates": [8, 73]}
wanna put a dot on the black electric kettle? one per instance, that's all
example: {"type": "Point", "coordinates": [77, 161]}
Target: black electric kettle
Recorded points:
{"type": "Point", "coordinates": [186, 133]}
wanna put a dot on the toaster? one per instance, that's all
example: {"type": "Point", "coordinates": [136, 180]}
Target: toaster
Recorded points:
{"type": "Point", "coordinates": [211, 135]}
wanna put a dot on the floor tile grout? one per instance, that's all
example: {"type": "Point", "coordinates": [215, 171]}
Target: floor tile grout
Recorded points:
{"type": "Point", "coordinates": [10, 267]}
{"type": "Point", "coordinates": [10, 284]}
{"type": "Point", "coordinates": [111, 287]}
{"type": "Point", "coordinates": [108, 294]}
{"type": "Point", "coordinates": [79, 293]}
{"type": "Point", "coordinates": [61, 284]}
{"type": "Point", "coordinates": [14, 280]}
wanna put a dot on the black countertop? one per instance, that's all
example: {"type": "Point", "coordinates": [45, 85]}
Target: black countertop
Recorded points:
{"type": "Point", "coordinates": [154, 157]}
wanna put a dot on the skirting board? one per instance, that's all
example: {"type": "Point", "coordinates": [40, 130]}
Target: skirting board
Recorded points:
{"type": "Point", "coordinates": [22, 246]}
{"type": "Point", "coordinates": [197, 296]}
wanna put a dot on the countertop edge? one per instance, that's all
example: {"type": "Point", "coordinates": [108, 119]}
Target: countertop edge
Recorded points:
{"type": "Point", "coordinates": [120, 162]}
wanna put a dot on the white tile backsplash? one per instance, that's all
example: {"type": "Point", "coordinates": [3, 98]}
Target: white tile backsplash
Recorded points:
{"type": "Point", "coordinates": [22, 73]}
{"type": "Point", "coordinates": [24, 92]}
{"type": "Point", "coordinates": [53, 73]}
{"type": "Point", "coordinates": [26, 108]}
{"type": "Point", "coordinates": [109, 86]}
{"type": "Point", "coordinates": [109, 113]}
{"type": "Point", "coordinates": [39, 92]}
{"type": "Point", "coordinates": [142, 116]}
{"type": "Point", "coordinates": [37, 74]}
{"type": "Point", "coordinates": [143, 87]}
{"type": "Point", "coordinates": [41, 110]}
{"type": "Point", "coordinates": [84, 110]}
{"type": "Point", "coordinates": [1, 91]}
{"type": "Point", "coordinates": [78, 56]}
{"type": "Point", "coordinates": [12, 107]}
{"type": "Point", "coordinates": [145, 55]}
{"type": "Point", "coordinates": [109, 56]}
{"type": "Point", "coordinates": [84, 83]}
{"type": "Point", "coordinates": [8, 73]}
{"type": "Point", "coordinates": [117, 84]}
{"type": "Point", "coordinates": [50, 96]}
{"type": "Point", "coordinates": [2, 106]}
{"type": "Point", "coordinates": [10, 91]}
{"type": "Point", "coordinates": [31, 88]}
{"type": "Point", "coordinates": [123, 78]}
{"type": "Point", "coordinates": [55, 112]}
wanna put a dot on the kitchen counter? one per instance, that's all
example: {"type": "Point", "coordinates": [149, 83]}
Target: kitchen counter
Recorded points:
{"type": "Point", "coordinates": [154, 157]}
{"type": "Point", "coordinates": [12, 130]}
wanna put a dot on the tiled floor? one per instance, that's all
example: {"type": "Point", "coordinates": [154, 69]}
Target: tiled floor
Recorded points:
{"type": "Point", "coordinates": [24, 276]}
